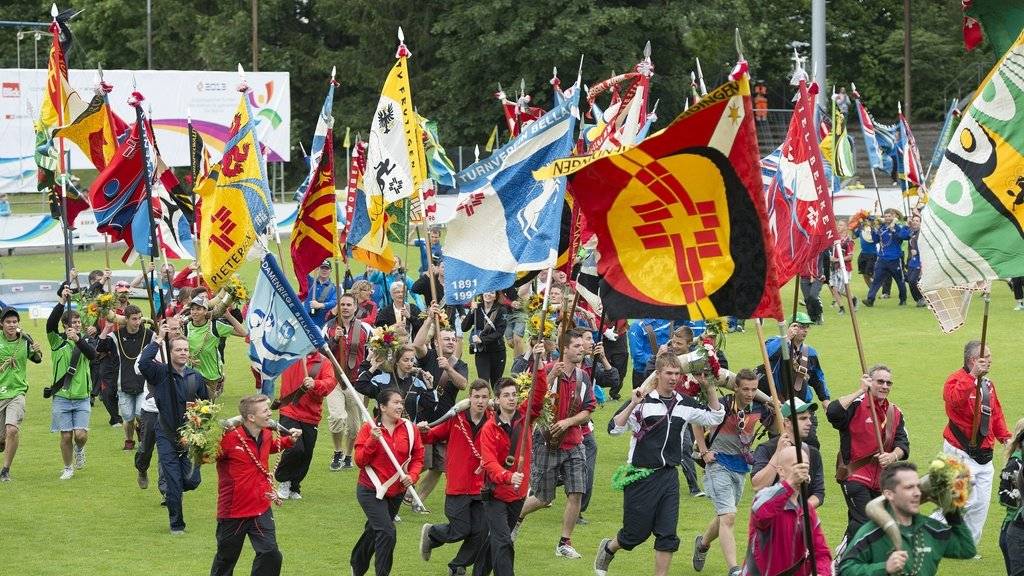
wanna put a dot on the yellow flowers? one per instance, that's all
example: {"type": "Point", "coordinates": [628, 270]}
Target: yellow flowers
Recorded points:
{"type": "Point", "coordinates": [236, 289]}
{"type": "Point", "coordinates": [201, 433]}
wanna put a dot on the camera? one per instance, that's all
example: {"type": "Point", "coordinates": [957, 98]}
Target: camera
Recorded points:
{"type": "Point", "coordinates": [472, 348]}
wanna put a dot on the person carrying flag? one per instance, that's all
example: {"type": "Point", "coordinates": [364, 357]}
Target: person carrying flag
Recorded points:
{"type": "Point", "coordinates": [322, 295]}
{"type": "Point", "coordinates": [349, 337]}
{"type": "Point", "coordinates": [304, 385]}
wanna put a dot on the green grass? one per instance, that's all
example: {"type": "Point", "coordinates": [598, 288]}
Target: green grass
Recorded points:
{"type": "Point", "coordinates": [101, 523]}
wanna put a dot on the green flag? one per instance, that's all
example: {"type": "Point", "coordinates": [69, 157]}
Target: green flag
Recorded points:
{"type": "Point", "coordinates": [972, 229]}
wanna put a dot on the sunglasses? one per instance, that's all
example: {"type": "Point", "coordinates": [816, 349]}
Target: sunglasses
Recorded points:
{"type": "Point", "coordinates": [886, 382]}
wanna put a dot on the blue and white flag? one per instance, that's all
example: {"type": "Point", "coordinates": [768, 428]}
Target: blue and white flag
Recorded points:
{"type": "Point", "coordinates": [280, 330]}
{"type": "Point", "coordinates": [506, 221]}
{"type": "Point", "coordinates": [946, 134]}
{"type": "Point", "coordinates": [323, 123]}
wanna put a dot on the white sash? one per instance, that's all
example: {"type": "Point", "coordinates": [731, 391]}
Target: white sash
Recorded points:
{"type": "Point", "coordinates": [382, 489]}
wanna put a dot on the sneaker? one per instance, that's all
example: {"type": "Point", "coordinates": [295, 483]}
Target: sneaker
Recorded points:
{"type": "Point", "coordinates": [922, 303]}
{"type": "Point", "coordinates": [869, 303]}
{"type": "Point", "coordinates": [336, 462]}
{"type": "Point", "coordinates": [515, 531]}
{"type": "Point", "coordinates": [1018, 307]}
{"type": "Point", "coordinates": [581, 521]}
{"type": "Point", "coordinates": [67, 473]}
{"type": "Point", "coordinates": [902, 303]}
{"type": "Point", "coordinates": [347, 462]}
{"type": "Point", "coordinates": [143, 479]}
{"type": "Point", "coordinates": [420, 509]}
{"type": "Point", "coordinates": [79, 457]}
{"type": "Point", "coordinates": [177, 532]}
{"type": "Point", "coordinates": [425, 542]}
{"type": "Point", "coordinates": [567, 551]}
{"type": "Point", "coordinates": [735, 571]}
{"type": "Point", "coordinates": [603, 558]}
{"type": "Point", "coordinates": [885, 296]}
{"type": "Point", "coordinates": [700, 553]}
{"type": "Point", "coordinates": [5, 475]}
{"type": "Point", "coordinates": [698, 494]}
{"type": "Point", "coordinates": [295, 496]}
{"type": "Point", "coordinates": [284, 490]}
{"type": "Point", "coordinates": [116, 425]}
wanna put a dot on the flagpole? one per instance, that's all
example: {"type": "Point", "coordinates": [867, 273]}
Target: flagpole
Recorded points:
{"type": "Point", "coordinates": [102, 90]}
{"type": "Point", "coordinates": [769, 376]}
{"type": "Point", "coordinates": [527, 430]}
{"type": "Point", "coordinates": [976, 424]}
{"type": "Point", "coordinates": [69, 261]}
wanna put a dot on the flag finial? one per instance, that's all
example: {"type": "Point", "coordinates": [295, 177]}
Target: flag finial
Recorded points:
{"type": "Point", "coordinates": [243, 86]}
{"type": "Point", "coordinates": [647, 50]}
{"type": "Point", "coordinates": [53, 10]}
{"type": "Point", "coordinates": [403, 51]}
{"type": "Point", "coordinates": [739, 45]}
{"type": "Point", "coordinates": [401, 35]}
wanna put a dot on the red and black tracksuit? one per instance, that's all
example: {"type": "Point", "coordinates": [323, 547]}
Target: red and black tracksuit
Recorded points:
{"type": "Point", "coordinates": [303, 413]}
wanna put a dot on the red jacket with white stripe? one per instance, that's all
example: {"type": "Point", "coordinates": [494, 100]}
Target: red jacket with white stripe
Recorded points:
{"type": "Point", "coordinates": [242, 487]}
{"type": "Point", "coordinates": [463, 468]}
{"type": "Point", "coordinates": [370, 454]}
{"type": "Point", "coordinates": [495, 444]}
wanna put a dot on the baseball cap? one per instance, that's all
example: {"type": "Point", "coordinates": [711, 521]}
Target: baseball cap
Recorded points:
{"type": "Point", "coordinates": [9, 311]}
{"type": "Point", "coordinates": [200, 301]}
{"type": "Point", "coordinates": [801, 407]}
{"type": "Point", "coordinates": [326, 264]}
{"type": "Point", "coordinates": [801, 318]}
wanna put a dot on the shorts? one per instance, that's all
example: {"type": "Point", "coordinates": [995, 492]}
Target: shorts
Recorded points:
{"type": "Point", "coordinates": [343, 414]}
{"type": "Point", "coordinates": [435, 456]}
{"type": "Point", "coordinates": [723, 487]}
{"type": "Point", "coordinates": [12, 412]}
{"type": "Point", "coordinates": [515, 328]}
{"type": "Point", "coordinates": [68, 415]}
{"type": "Point", "coordinates": [569, 466]}
{"type": "Point", "coordinates": [866, 263]}
{"type": "Point", "coordinates": [130, 405]}
{"type": "Point", "coordinates": [651, 506]}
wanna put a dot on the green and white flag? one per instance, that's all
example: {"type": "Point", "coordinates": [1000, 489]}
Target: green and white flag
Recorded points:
{"type": "Point", "coordinates": [972, 229]}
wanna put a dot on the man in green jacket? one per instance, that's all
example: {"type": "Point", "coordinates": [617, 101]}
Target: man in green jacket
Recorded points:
{"type": "Point", "coordinates": [925, 541]}
{"type": "Point", "coordinates": [16, 349]}
{"type": "Point", "coordinates": [71, 355]}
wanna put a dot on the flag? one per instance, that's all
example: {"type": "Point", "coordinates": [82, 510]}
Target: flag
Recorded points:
{"type": "Point", "coordinates": [506, 221]}
{"type": "Point", "coordinates": [867, 129]}
{"type": "Point", "coordinates": [911, 171]}
{"type": "Point", "coordinates": [324, 123]}
{"type": "Point", "coordinates": [280, 330]}
{"type": "Point", "coordinates": [395, 157]}
{"type": "Point", "coordinates": [439, 167]}
{"type": "Point", "coordinates": [1002, 21]}
{"type": "Point", "coordinates": [173, 226]}
{"type": "Point", "coordinates": [626, 116]}
{"type": "Point", "coordinates": [356, 166]}
{"type": "Point", "coordinates": [368, 233]}
{"type": "Point", "coordinates": [198, 155]}
{"type": "Point", "coordinates": [314, 235]}
{"type": "Point", "coordinates": [95, 131]}
{"type": "Point", "coordinates": [492, 139]}
{"type": "Point", "coordinates": [836, 149]}
{"type": "Point", "coordinates": [236, 202]}
{"type": "Point", "coordinates": [120, 188]}
{"type": "Point", "coordinates": [948, 127]}
{"type": "Point", "coordinates": [972, 228]}
{"type": "Point", "coordinates": [679, 218]}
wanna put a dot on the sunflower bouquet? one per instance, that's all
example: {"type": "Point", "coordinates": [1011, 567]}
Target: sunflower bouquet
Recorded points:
{"type": "Point", "coordinates": [547, 412]}
{"type": "Point", "coordinates": [202, 432]}
{"type": "Point", "coordinates": [385, 343]}
{"type": "Point", "coordinates": [442, 318]}
{"type": "Point", "coordinates": [948, 483]}
{"type": "Point", "coordinates": [533, 328]}
{"type": "Point", "coordinates": [526, 307]}
{"type": "Point", "coordinates": [236, 289]}
{"type": "Point", "coordinates": [86, 307]}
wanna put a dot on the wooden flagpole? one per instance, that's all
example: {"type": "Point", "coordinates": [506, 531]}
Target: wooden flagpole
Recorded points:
{"type": "Point", "coordinates": [537, 358]}
{"type": "Point", "coordinates": [769, 376]}
{"type": "Point", "coordinates": [980, 379]}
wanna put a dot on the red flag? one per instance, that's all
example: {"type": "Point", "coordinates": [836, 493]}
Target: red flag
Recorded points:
{"type": "Point", "coordinates": [798, 200]}
{"type": "Point", "coordinates": [356, 168]}
{"type": "Point", "coordinates": [316, 226]}
{"type": "Point", "coordinates": [118, 191]}
{"type": "Point", "coordinates": [679, 218]}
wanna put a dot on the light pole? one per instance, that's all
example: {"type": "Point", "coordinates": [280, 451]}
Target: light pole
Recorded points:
{"type": "Point", "coordinates": [255, 40]}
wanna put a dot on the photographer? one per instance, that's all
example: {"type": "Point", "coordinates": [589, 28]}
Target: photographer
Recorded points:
{"type": "Point", "coordinates": [487, 342]}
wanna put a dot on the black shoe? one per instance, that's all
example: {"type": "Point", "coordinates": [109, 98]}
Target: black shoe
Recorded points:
{"type": "Point", "coordinates": [903, 303]}
{"type": "Point", "coordinates": [336, 462]}
{"type": "Point", "coordinates": [347, 462]}
{"type": "Point", "coordinates": [869, 302]}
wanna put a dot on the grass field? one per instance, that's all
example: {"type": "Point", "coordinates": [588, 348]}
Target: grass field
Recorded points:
{"type": "Point", "coordinates": [100, 523]}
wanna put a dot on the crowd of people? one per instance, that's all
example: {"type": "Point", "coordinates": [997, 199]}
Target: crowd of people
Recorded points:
{"type": "Point", "coordinates": [526, 427]}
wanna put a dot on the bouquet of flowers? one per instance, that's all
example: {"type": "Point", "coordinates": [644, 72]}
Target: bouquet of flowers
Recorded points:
{"type": "Point", "coordinates": [533, 328]}
{"type": "Point", "coordinates": [86, 307]}
{"type": "Point", "coordinates": [384, 344]}
{"type": "Point", "coordinates": [857, 219]}
{"type": "Point", "coordinates": [443, 322]}
{"type": "Point", "coordinates": [526, 307]}
{"type": "Point", "coordinates": [237, 290]}
{"type": "Point", "coordinates": [948, 483]}
{"type": "Point", "coordinates": [202, 432]}
{"type": "Point", "coordinates": [547, 412]}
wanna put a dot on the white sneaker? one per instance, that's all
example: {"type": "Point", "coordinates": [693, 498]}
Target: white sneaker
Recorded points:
{"type": "Point", "coordinates": [79, 457]}
{"type": "Point", "coordinates": [67, 473]}
{"type": "Point", "coordinates": [567, 551]}
{"type": "Point", "coordinates": [284, 491]}
{"type": "Point", "coordinates": [295, 496]}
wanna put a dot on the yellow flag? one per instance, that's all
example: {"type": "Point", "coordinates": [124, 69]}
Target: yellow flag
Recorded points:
{"type": "Point", "coordinates": [395, 160]}
{"type": "Point", "coordinates": [492, 139]}
{"type": "Point", "coordinates": [236, 202]}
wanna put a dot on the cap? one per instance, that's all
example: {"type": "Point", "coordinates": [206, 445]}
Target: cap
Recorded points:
{"type": "Point", "coordinates": [9, 311]}
{"type": "Point", "coordinates": [801, 407]}
{"type": "Point", "coordinates": [436, 260]}
{"type": "Point", "coordinates": [801, 318]}
{"type": "Point", "coordinates": [200, 301]}
{"type": "Point", "coordinates": [326, 264]}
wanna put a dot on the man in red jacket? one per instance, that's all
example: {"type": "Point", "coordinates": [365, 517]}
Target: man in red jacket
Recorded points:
{"type": "Point", "coordinates": [960, 392]}
{"type": "Point", "coordinates": [304, 385]}
{"type": "Point", "coordinates": [505, 447]}
{"type": "Point", "coordinates": [462, 503]}
{"type": "Point", "coordinates": [245, 490]}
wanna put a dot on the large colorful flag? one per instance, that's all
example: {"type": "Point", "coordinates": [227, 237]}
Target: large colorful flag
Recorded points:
{"type": "Point", "coordinates": [626, 117]}
{"type": "Point", "coordinates": [236, 202]}
{"type": "Point", "coordinates": [95, 131]}
{"type": "Point", "coordinates": [280, 330]}
{"type": "Point", "coordinates": [679, 218]}
{"type": "Point", "coordinates": [395, 159]}
{"type": "Point", "coordinates": [507, 221]}
{"type": "Point", "coordinates": [972, 229]}
{"type": "Point", "coordinates": [797, 197]}
{"type": "Point", "coordinates": [120, 188]}
{"type": "Point", "coordinates": [836, 149]}
{"type": "Point", "coordinates": [314, 235]}
{"type": "Point", "coordinates": [356, 166]}
{"type": "Point", "coordinates": [910, 170]}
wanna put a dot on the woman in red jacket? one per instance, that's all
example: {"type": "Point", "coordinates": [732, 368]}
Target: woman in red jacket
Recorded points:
{"type": "Point", "coordinates": [304, 385]}
{"type": "Point", "coordinates": [380, 488]}
{"type": "Point", "coordinates": [245, 489]}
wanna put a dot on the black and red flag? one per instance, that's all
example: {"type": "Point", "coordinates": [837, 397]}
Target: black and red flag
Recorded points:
{"type": "Point", "coordinates": [680, 219]}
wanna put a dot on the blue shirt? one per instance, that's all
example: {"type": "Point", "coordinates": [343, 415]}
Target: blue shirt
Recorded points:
{"type": "Point", "coordinates": [890, 242]}
{"type": "Point", "coordinates": [325, 292]}
{"type": "Point", "coordinates": [815, 375]}
{"type": "Point", "coordinates": [867, 244]}
{"type": "Point", "coordinates": [639, 344]}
